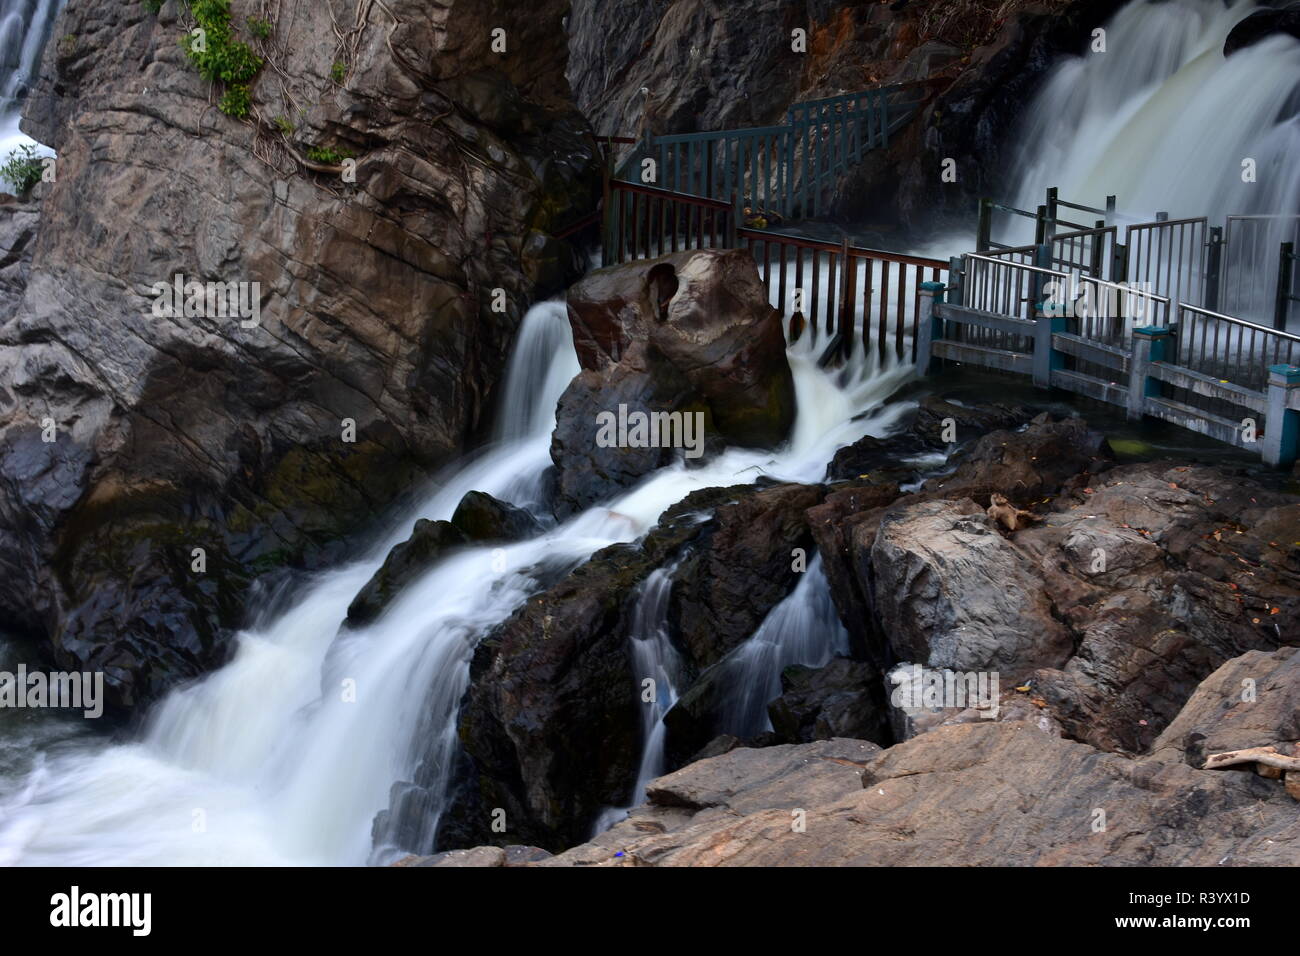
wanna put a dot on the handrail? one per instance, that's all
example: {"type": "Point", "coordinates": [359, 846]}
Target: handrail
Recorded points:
{"type": "Point", "coordinates": [1242, 322]}
{"type": "Point", "coordinates": [690, 198]}
{"type": "Point", "coordinates": [1017, 265]}
{"type": "Point", "coordinates": [821, 245]}
{"type": "Point", "coordinates": [1125, 287]}
{"type": "Point", "coordinates": [672, 139]}
{"type": "Point", "coordinates": [1154, 223]}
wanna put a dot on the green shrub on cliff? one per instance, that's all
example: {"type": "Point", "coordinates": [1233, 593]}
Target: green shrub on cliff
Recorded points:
{"type": "Point", "coordinates": [218, 56]}
{"type": "Point", "coordinates": [22, 169]}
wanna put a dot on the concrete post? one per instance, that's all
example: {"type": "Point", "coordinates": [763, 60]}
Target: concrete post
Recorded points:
{"type": "Point", "coordinates": [956, 279]}
{"type": "Point", "coordinates": [1148, 346]}
{"type": "Point", "coordinates": [929, 326]}
{"type": "Point", "coordinates": [1049, 317]}
{"type": "Point", "coordinates": [1282, 437]}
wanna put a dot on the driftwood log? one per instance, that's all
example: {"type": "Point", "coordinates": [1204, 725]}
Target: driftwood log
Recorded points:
{"type": "Point", "coordinates": [1267, 762]}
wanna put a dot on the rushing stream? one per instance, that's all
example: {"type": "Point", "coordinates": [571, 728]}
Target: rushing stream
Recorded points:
{"type": "Point", "coordinates": [286, 754]}
{"type": "Point", "coordinates": [268, 761]}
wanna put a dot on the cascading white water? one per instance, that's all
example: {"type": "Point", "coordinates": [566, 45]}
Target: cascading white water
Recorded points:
{"type": "Point", "coordinates": [655, 658]}
{"type": "Point", "coordinates": [803, 629]}
{"type": "Point", "coordinates": [286, 754]}
{"type": "Point", "coordinates": [1167, 124]}
{"type": "Point", "coordinates": [25, 27]}
{"type": "Point", "coordinates": [270, 761]}
{"type": "Point", "coordinates": [1163, 121]}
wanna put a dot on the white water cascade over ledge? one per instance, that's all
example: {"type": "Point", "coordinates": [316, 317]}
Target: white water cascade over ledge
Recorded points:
{"type": "Point", "coordinates": [1162, 120]}
{"type": "Point", "coordinates": [25, 26]}
{"type": "Point", "coordinates": [265, 752]}
{"type": "Point", "coordinates": [263, 762]}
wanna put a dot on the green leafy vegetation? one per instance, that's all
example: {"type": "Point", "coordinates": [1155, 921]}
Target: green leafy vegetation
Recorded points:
{"type": "Point", "coordinates": [218, 55]}
{"type": "Point", "coordinates": [339, 72]}
{"type": "Point", "coordinates": [327, 155]}
{"type": "Point", "coordinates": [284, 126]}
{"type": "Point", "coordinates": [23, 168]}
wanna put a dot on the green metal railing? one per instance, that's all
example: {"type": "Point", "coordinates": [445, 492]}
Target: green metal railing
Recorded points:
{"type": "Point", "coordinates": [778, 172]}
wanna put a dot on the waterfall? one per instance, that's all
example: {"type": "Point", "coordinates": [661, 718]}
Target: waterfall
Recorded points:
{"type": "Point", "coordinates": [655, 658]}
{"type": "Point", "coordinates": [25, 26]}
{"type": "Point", "coordinates": [286, 754]}
{"type": "Point", "coordinates": [803, 629]}
{"type": "Point", "coordinates": [1163, 120]}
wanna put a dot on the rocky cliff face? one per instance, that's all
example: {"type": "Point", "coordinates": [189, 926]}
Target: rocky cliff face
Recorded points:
{"type": "Point", "coordinates": [697, 65]}
{"type": "Point", "coordinates": [130, 439]}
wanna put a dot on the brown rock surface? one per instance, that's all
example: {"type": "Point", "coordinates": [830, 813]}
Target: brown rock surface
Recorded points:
{"type": "Point", "coordinates": [984, 794]}
{"type": "Point", "coordinates": [375, 301]}
{"type": "Point", "coordinates": [690, 332]}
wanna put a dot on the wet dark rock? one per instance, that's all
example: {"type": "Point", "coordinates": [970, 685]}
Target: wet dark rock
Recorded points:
{"type": "Point", "coordinates": [480, 517]}
{"type": "Point", "coordinates": [739, 568]}
{"type": "Point", "coordinates": [585, 473]}
{"type": "Point", "coordinates": [921, 432]}
{"type": "Point", "coordinates": [429, 542]}
{"type": "Point", "coordinates": [1279, 21]}
{"type": "Point", "coordinates": [1027, 465]}
{"type": "Point", "coordinates": [552, 723]}
{"type": "Point", "coordinates": [842, 699]}
{"type": "Point", "coordinates": [834, 527]}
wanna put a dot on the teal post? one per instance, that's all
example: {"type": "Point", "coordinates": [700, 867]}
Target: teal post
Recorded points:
{"type": "Point", "coordinates": [1049, 318]}
{"type": "Point", "coordinates": [1148, 346]}
{"type": "Point", "coordinates": [1282, 434]}
{"type": "Point", "coordinates": [929, 325]}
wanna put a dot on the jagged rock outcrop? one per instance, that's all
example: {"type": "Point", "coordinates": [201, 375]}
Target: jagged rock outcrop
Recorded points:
{"type": "Point", "coordinates": [739, 567]}
{"type": "Point", "coordinates": [377, 346]}
{"type": "Point", "coordinates": [952, 593]}
{"type": "Point", "coordinates": [1128, 587]}
{"type": "Point", "coordinates": [1163, 572]}
{"type": "Point", "coordinates": [552, 725]}
{"type": "Point", "coordinates": [19, 220]}
{"type": "Point", "coordinates": [689, 334]}
{"type": "Point", "coordinates": [922, 432]}
{"type": "Point", "coordinates": [1024, 464]}
{"type": "Point", "coordinates": [966, 795]}
{"type": "Point", "coordinates": [825, 702]}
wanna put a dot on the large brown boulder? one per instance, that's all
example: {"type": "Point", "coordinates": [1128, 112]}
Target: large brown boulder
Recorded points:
{"type": "Point", "coordinates": [378, 347]}
{"type": "Point", "coordinates": [690, 332]}
{"type": "Point", "coordinates": [953, 593]}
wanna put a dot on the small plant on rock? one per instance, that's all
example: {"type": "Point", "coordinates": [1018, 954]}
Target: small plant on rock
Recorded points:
{"type": "Point", "coordinates": [22, 169]}
{"type": "Point", "coordinates": [328, 155]}
{"type": "Point", "coordinates": [221, 58]}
